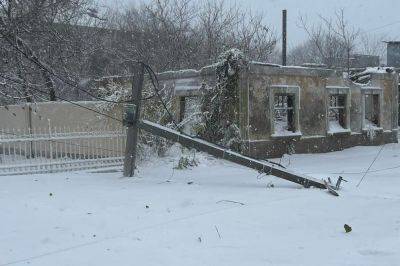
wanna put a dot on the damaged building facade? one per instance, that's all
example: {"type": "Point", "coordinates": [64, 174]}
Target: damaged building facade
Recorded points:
{"type": "Point", "coordinates": [296, 109]}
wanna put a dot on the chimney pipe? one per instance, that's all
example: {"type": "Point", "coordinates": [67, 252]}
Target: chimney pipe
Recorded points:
{"type": "Point", "coordinates": [284, 36]}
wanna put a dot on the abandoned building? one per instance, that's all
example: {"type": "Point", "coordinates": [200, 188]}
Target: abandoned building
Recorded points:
{"type": "Point", "coordinates": [298, 109]}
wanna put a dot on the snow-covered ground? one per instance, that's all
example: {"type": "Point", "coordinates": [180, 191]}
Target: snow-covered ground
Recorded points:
{"type": "Point", "coordinates": [215, 214]}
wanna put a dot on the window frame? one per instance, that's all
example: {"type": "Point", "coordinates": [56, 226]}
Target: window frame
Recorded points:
{"type": "Point", "coordinates": [341, 91]}
{"type": "Point", "coordinates": [371, 91]}
{"type": "Point", "coordinates": [294, 91]}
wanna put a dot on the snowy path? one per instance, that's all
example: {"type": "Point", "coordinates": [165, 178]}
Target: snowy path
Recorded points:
{"type": "Point", "coordinates": [102, 219]}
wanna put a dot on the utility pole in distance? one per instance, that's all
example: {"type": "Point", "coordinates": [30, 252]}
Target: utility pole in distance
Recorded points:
{"type": "Point", "coordinates": [132, 116]}
{"type": "Point", "coordinates": [284, 36]}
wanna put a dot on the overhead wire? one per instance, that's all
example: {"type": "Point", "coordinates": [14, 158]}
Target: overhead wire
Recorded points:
{"type": "Point", "coordinates": [152, 74]}
{"type": "Point", "coordinates": [47, 70]}
{"type": "Point", "coordinates": [384, 26]}
{"type": "Point", "coordinates": [153, 79]}
{"type": "Point", "coordinates": [62, 98]}
{"type": "Point", "coordinates": [156, 85]}
{"type": "Point", "coordinates": [369, 167]}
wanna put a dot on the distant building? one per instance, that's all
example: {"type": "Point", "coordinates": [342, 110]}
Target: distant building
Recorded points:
{"type": "Point", "coordinates": [363, 60]}
{"type": "Point", "coordinates": [393, 53]}
{"type": "Point", "coordinates": [355, 60]}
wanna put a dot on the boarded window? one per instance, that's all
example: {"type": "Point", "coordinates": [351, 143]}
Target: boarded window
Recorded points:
{"type": "Point", "coordinates": [337, 112]}
{"type": "Point", "coordinates": [284, 113]}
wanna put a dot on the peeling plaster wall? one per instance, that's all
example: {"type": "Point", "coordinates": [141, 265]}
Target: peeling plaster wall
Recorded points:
{"type": "Point", "coordinates": [312, 97]}
{"type": "Point", "coordinates": [186, 83]}
{"type": "Point", "coordinates": [61, 117]}
{"type": "Point", "coordinates": [255, 117]}
{"type": "Point", "coordinates": [313, 106]}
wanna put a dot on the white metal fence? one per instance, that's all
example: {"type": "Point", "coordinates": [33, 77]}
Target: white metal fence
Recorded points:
{"type": "Point", "coordinates": [40, 150]}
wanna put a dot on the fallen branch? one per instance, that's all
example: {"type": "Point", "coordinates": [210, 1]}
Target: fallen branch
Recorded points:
{"type": "Point", "coordinates": [231, 201]}
{"type": "Point", "coordinates": [219, 235]}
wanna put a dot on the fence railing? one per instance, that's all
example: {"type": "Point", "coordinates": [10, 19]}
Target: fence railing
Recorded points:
{"type": "Point", "coordinates": [41, 150]}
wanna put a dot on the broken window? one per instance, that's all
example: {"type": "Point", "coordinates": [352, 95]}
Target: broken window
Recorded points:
{"type": "Point", "coordinates": [284, 120]}
{"type": "Point", "coordinates": [371, 111]}
{"type": "Point", "coordinates": [337, 112]}
{"type": "Point", "coordinates": [182, 107]}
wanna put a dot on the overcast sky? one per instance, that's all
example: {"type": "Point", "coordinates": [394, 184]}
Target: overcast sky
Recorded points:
{"type": "Point", "coordinates": [370, 15]}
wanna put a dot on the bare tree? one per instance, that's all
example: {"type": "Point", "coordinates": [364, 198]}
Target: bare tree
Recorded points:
{"type": "Point", "coordinates": [333, 38]}
{"type": "Point", "coordinates": [57, 44]}
{"type": "Point", "coordinates": [176, 34]}
{"type": "Point", "coordinates": [372, 44]}
{"type": "Point", "coordinates": [46, 44]}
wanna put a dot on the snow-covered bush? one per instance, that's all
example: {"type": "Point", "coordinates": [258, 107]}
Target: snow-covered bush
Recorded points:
{"type": "Point", "coordinates": [186, 162]}
{"type": "Point", "coordinates": [112, 92]}
{"type": "Point", "coordinates": [220, 104]}
{"type": "Point", "coordinates": [371, 133]}
{"type": "Point", "coordinates": [119, 92]}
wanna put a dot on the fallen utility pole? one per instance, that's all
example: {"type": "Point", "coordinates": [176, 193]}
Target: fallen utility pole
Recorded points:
{"type": "Point", "coordinates": [220, 152]}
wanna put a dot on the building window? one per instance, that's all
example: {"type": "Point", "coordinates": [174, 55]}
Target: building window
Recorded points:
{"type": "Point", "coordinates": [371, 111]}
{"type": "Point", "coordinates": [371, 108]}
{"type": "Point", "coordinates": [284, 114]}
{"type": "Point", "coordinates": [182, 107]}
{"type": "Point", "coordinates": [337, 112]}
{"type": "Point", "coordinates": [284, 102]}
{"type": "Point", "coordinates": [338, 109]}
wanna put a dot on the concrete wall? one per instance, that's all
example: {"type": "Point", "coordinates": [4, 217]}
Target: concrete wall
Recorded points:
{"type": "Point", "coordinates": [255, 85]}
{"type": "Point", "coordinates": [13, 117]}
{"type": "Point", "coordinates": [314, 135]}
{"type": "Point", "coordinates": [63, 117]}
{"type": "Point", "coordinates": [57, 115]}
{"type": "Point", "coordinates": [186, 83]}
{"type": "Point", "coordinates": [314, 87]}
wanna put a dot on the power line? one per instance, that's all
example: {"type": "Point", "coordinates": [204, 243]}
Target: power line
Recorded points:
{"type": "Point", "coordinates": [37, 62]}
{"type": "Point", "coordinates": [358, 173]}
{"type": "Point", "coordinates": [61, 98]}
{"type": "Point", "coordinates": [152, 74]}
{"type": "Point", "coordinates": [376, 157]}
{"type": "Point", "coordinates": [70, 144]}
{"type": "Point", "coordinates": [384, 26]}
{"type": "Point", "coordinates": [154, 81]}
{"type": "Point", "coordinates": [43, 67]}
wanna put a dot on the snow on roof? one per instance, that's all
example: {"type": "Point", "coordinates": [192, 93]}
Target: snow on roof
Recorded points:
{"type": "Point", "coordinates": [377, 70]}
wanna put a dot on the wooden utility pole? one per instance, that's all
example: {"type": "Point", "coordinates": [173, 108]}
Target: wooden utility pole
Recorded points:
{"type": "Point", "coordinates": [220, 152]}
{"type": "Point", "coordinates": [132, 116]}
{"type": "Point", "coordinates": [284, 36]}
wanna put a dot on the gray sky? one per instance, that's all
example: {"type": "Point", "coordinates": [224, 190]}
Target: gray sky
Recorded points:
{"type": "Point", "coordinates": [370, 15]}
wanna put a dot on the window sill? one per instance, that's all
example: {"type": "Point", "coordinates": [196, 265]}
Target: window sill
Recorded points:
{"type": "Point", "coordinates": [342, 131]}
{"type": "Point", "coordinates": [287, 135]}
{"type": "Point", "coordinates": [373, 128]}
